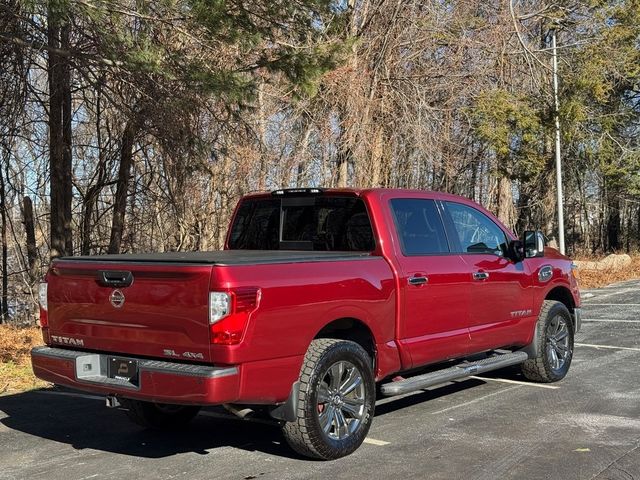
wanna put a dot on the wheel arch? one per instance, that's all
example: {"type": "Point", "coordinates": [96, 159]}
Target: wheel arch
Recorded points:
{"type": "Point", "coordinates": [354, 329]}
{"type": "Point", "coordinates": [563, 295]}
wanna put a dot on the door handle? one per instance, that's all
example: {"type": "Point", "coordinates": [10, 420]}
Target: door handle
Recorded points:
{"type": "Point", "coordinates": [115, 279]}
{"type": "Point", "coordinates": [480, 275]}
{"type": "Point", "coordinates": [418, 280]}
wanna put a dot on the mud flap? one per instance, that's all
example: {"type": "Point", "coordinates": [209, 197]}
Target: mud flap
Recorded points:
{"type": "Point", "coordinates": [287, 410]}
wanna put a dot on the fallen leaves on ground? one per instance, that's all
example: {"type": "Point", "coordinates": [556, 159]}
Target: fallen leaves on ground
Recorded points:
{"type": "Point", "coordinates": [601, 278]}
{"type": "Point", "coordinates": [15, 363]}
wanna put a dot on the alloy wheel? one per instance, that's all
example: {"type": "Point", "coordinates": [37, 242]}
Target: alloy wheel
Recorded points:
{"type": "Point", "coordinates": [558, 346]}
{"type": "Point", "coordinates": [341, 400]}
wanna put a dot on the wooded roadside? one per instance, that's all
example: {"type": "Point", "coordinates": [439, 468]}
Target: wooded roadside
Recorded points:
{"type": "Point", "coordinates": [135, 126]}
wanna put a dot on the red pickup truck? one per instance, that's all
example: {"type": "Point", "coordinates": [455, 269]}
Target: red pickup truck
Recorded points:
{"type": "Point", "coordinates": [318, 296]}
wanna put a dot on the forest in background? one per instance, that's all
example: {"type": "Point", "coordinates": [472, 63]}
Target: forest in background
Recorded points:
{"type": "Point", "coordinates": [135, 125]}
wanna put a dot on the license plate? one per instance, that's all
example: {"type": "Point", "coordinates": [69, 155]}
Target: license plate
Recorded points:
{"type": "Point", "coordinates": [123, 369]}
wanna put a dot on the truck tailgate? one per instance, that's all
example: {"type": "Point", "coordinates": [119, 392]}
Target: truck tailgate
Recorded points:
{"type": "Point", "coordinates": [163, 313]}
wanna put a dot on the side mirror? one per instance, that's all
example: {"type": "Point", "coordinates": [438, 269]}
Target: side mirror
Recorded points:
{"type": "Point", "coordinates": [533, 244]}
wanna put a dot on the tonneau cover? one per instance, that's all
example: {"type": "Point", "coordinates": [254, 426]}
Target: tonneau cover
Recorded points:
{"type": "Point", "coordinates": [226, 257]}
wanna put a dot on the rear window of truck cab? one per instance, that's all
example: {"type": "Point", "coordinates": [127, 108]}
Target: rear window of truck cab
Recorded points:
{"type": "Point", "coordinates": [319, 223]}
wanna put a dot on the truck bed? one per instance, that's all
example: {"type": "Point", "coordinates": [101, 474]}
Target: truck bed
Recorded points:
{"type": "Point", "coordinates": [164, 310]}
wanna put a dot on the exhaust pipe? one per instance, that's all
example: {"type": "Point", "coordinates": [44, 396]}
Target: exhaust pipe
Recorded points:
{"type": "Point", "coordinates": [239, 411]}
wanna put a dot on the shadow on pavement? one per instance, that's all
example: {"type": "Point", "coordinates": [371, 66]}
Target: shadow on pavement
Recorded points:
{"type": "Point", "coordinates": [86, 423]}
{"type": "Point", "coordinates": [422, 396]}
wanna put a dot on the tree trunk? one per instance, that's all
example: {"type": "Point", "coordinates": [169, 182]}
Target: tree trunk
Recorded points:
{"type": "Point", "coordinates": [627, 212]}
{"type": "Point", "coordinates": [343, 171]}
{"type": "Point", "coordinates": [29, 226]}
{"type": "Point", "coordinates": [58, 245]}
{"type": "Point", "coordinates": [87, 212]}
{"type": "Point", "coordinates": [613, 223]}
{"type": "Point", "coordinates": [90, 201]}
{"type": "Point", "coordinates": [377, 154]}
{"type": "Point", "coordinates": [262, 137]}
{"type": "Point", "coordinates": [122, 187]}
{"type": "Point", "coordinates": [524, 220]}
{"type": "Point", "coordinates": [67, 159]}
{"type": "Point", "coordinates": [58, 73]}
{"type": "Point", "coordinates": [300, 155]}
{"type": "Point", "coordinates": [4, 306]}
{"type": "Point", "coordinates": [89, 206]}
{"type": "Point", "coordinates": [504, 201]}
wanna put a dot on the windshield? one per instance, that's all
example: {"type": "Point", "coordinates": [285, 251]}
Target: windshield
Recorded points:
{"type": "Point", "coordinates": [302, 223]}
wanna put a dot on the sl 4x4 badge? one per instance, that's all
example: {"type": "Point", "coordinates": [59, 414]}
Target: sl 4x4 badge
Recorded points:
{"type": "Point", "coordinates": [172, 353]}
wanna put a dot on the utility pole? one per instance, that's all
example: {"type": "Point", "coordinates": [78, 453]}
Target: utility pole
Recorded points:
{"type": "Point", "coordinates": [558, 158]}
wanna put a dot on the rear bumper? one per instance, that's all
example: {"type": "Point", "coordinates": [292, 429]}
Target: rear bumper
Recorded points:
{"type": "Point", "coordinates": [158, 381]}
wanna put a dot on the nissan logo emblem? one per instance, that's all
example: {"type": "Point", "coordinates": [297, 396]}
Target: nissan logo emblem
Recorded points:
{"type": "Point", "coordinates": [116, 298]}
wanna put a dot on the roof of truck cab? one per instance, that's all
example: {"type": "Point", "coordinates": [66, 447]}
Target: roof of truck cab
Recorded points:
{"type": "Point", "coordinates": [400, 192]}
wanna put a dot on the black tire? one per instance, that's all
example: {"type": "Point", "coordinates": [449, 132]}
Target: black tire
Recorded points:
{"type": "Point", "coordinates": [554, 332]}
{"type": "Point", "coordinates": [331, 362]}
{"type": "Point", "coordinates": [159, 416]}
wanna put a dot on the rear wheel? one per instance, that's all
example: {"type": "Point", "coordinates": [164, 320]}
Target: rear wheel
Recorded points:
{"type": "Point", "coordinates": [159, 416]}
{"type": "Point", "coordinates": [336, 400]}
{"type": "Point", "coordinates": [554, 344]}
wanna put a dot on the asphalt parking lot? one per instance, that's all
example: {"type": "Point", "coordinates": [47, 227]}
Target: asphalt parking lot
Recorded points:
{"type": "Point", "coordinates": [497, 426]}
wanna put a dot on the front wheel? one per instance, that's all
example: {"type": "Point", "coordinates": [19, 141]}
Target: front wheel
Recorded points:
{"type": "Point", "coordinates": [159, 416]}
{"type": "Point", "coordinates": [336, 400]}
{"type": "Point", "coordinates": [554, 344]}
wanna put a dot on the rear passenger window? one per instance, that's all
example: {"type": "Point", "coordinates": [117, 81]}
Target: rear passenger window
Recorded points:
{"type": "Point", "coordinates": [419, 226]}
{"type": "Point", "coordinates": [319, 223]}
{"type": "Point", "coordinates": [477, 232]}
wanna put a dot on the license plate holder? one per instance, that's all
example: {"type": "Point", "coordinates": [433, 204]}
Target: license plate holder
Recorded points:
{"type": "Point", "coordinates": [124, 369]}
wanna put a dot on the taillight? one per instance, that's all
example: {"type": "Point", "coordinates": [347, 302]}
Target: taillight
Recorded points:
{"type": "Point", "coordinates": [229, 312]}
{"type": "Point", "coordinates": [44, 305]}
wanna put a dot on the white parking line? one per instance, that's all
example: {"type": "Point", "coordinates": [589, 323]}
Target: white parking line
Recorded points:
{"type": "Point", "coordinates": [612, 320]}
{"type": "Point", "coordinates": [373, 441]}
{"type": "Point", "coordinates": [615, 304]}
{"type": "Point", "coordinates": [590, 345]}
{"type": "Point", "coordinates": [506, 380]}
{"type": "Point", "coordinates": [476, 400]}
{"type": "Point", "coordinates": [618, 292]}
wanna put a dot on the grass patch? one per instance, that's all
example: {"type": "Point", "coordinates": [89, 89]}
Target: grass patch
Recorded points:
{"type": "Point", "coordinates": [15, 363]}
{"type": "Point", "coordinates": [601, 278]}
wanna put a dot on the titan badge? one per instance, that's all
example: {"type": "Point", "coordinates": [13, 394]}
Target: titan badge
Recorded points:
{"type": "Point", "coordinates": [76, 342]}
